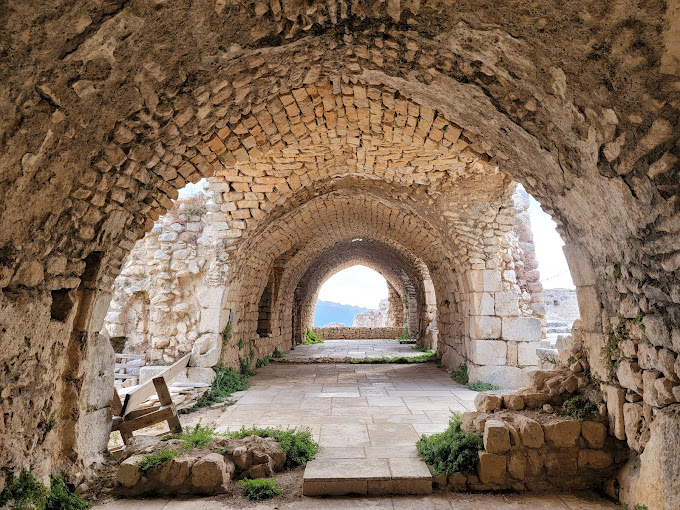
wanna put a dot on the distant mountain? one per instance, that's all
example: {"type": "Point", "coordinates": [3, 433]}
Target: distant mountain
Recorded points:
{"type": "Point", "coordinates": [327, 312]}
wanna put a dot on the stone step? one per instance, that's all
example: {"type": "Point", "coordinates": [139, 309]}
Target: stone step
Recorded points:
{"type": "Point", "coordinates": [367, 477]}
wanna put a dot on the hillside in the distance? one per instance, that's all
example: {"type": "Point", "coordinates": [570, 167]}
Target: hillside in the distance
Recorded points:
{"type": "Point", "coordinates": [327, 312]}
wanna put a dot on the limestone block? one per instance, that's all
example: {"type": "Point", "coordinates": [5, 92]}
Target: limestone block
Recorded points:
{"type": "Point", "coordinates": [491, 468]}
{"type": "Point", "coordinates": [666, 363]}
{"type": "Point", "coordinates": [92, 432]}
{"type": "Point", "coordinates": [526, 353]}
{"type": "Point", "coordinates": [487, 352]}
{"type": "Point", "coordinates": [628, 349]}
{"type": "Point", "coordinates": [517, 464]}
{"type": "Point", "coordinates": [594, 433]}
{"type": "Point", "coordinates": [482, 303]}
{"type": "Point", "coordinates": [652, 477]}
{"type": "Point", "coordinates": [507, 304]}
{"type": "Point", "coordinates": [615, 398]}
{"type": "Point", "coordinates": [212, 320]}
{"type": "Point", "coordinates": [206, 351]}
{"type": "Point", "coordinates": [502, 376]}
{"type": "Point", "coordinates": [647, 356]}
{"type": "Point", "coordinates": [589, 308]}
{"type": "Point", "coordinates": [594, 459]}
{"type": "Point", "coordinates": [487, 403]}
{"type": "Point", "coordinates": [128, 474]}
{"type": "Point", "coordinates": [98, 374]}
{"type": "Point", "coordinates": [632, 416]}
{"type": "Point", "coordinates": [629, 375]}
{"type": "Point", "coordinates": [174, 473]}
{"type": "Point", "coordinates": [649, 394]}
{"type": "Point", "coordinates": [485, 327]}
{"type": "Point", "coordinates": [580, 267]}
{"type": "Point", "coordinates": [664, 391]}
{"type": "Point", "coordinates": [562, 433]}
{"type": "Point", "coordinates": [521, 329]}
{"type": "Point", "coordinates": [211, 472]}
{"type": "Point", "coordinates": [656, 331]}
{"type": "Point", "coordinates": [457, 481]}
{"type": "Point", "coordinates": [530, 432]}
{"type": "Point", "coordinates": [473, 421]}
{"type": "Point", "coordinates": [535, 400]}
{"type": "Point", "coordinates": [485, 280]}
{"type": "Point", "coordinates": [513, 401]}
{"type": "Point", "coordinates": [496, 437]}
{"type": "Point", "coordinates": [115, 330]}
{"type": "Point", "coordinates": [199, 374]}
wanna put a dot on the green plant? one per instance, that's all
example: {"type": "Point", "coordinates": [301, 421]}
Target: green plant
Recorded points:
{"type": "Point", "coordinates": [260, 489]}
{"type": "Point", "coordinates": [24, 492]}
{"type": "Point", "coordinates": [426, 357]}
{"type": "Point", "coordinates": [482, 386]}
{"type": "Point", "coordinates": [28, 492]}
{"type": "Point", "coordinates": [277, 354]}
{"type": "Point", "coordinates": [198, 437]}
{"type": "Point", "coordinates": [227, 381]}
{"type": "Point", "coordinates": [617, 272]}
{"type": "Point", "coordinates": [311, 338]}
{"type": "Point", "coordinates": [226, 334]}
{"type": "Point", "coordinates": [61, 497]}
{"type": "Point", "coordinates": [446, 303]}
{"type": "Point", "coordinates": [155, 459]}
{"type": "Point", "coordinates": [240, 344]}
{"type": "Point", "coordinates": [263, 362]}
{"type": "Point", "coordinates": [245, 364]}
{"type": "Point", "coordinates": [404, 334]}
{"type": "Point", "coordinates": [610, 352]}
{"type": "Point", "coordinates": [298, 444]}
{"type": "Point", "coordinates": [224, 451]}
{"type": "Point", "coordinates": [460, 375]}
{"type": "Point", "coordinates": [421, 349]}
{"type": "Point", "coordinates": [450, 451]}
{"type": "Point", "coordinates": [577, 408]}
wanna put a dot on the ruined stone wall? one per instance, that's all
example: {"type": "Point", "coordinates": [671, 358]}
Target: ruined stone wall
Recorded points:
{"type": "Point", "coordinates": [358, 333]}
{"type": "Point", "coordinates": [375, 318]}
{"type": "Point", "coordinates": [156, 308]}
{"type": "Point", "coordinates": [561, 305]}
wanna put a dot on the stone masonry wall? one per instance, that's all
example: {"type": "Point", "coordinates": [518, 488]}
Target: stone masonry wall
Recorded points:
{"type": "Point", "coordinates": [358, 333]}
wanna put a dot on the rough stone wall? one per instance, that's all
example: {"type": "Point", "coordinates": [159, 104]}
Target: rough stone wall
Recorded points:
{"type": "Point", "coordinates": [561, 305]}
{"type": "Point", "coordinates": [357, 333]}
{"type": "Point", "coordinates": [107, 110]}
{"type": "Point", "coordinates": [156, 302]}
{"type": "Point", "coordinates": [375, 318]}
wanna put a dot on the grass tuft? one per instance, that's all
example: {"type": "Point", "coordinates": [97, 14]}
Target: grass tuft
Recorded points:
{"type": "Point", "coordinates": [155, 459]}
{"type": "Point", "coordinates": [227, 381]}
{"type": "Point", "coordinates": [460, 375]}
{"type": "Point", "coordinates": [277, 354]}
{"type": "Point", "coordinates": [27, 492]}
{"type": "Point", "coordinates": [578, 408]}
{"type": "Point", "coordinates": [299, 445]}
{"type": "Point", "coordinates": [311, 338]}
{"type": "Point", "coordinates": [198, 437]}
{"type": "Point", "coordinates": [426, 357]}
{"type": "Point", "coordinates": [450, 451]}
{"type": "Point", "coordinates": [261, 489]}
{"type": "Point", "coordinates": [483, 386]}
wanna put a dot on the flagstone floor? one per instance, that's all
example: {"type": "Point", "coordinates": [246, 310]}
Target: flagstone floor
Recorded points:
{"type": "Point", "coordinates": [341, 349]}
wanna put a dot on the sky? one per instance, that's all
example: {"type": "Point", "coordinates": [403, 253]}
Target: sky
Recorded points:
{"type": "Point", "coordinates": [361, 286]}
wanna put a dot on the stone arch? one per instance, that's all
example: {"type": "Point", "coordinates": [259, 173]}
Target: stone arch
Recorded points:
{"type": "Point", "coordinates": [102, 114]}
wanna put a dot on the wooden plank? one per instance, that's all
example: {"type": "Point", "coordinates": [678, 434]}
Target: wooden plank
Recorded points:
{"type": "Point", "coordinates": [165, 400]}
{"type": "Point", "coordinates": [130, 356]}
{"type": "Point", "coordinates": [116, 404]}
{"type": "Point", "coordinates": [126, 365]}
{"type": "Point", "coordinates": [162, 414]}
{"type": "Point", "coordinates": [144, 391]}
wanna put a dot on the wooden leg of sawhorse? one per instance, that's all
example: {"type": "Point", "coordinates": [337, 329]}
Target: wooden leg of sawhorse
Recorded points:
{"type": "Point", "coordinates": [116, 408]}
{"type": "Point", "coordinates": [165, 400]}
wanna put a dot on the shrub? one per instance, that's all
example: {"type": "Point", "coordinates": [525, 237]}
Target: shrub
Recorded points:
{"type": "Point", "coordinates": [263, 362]}
{"type": "Point", "coordinates": [277, 354]}
{"type": "Point", "coordinates": [155, 459]}
{"type": "Point", "coordinates": [24, 492]}
{"type": "Point", "coordinates": [460, 375]}
{"type": "Point", "coordinates": [28, 492]}
{"type": "Point", "coordinates": [482, 386]}
{"type": "Point", "coordinates": [299, 445]}
{"type": "Point", "coordinates": [198, 437]}
{"type": "Point", "coordinates": [246, 364]}
{"type": "Point", "coordinates": [227, 381]}
{"type": "Point", "coordinates": [257, 490]}
{"type": "Point", "coordinates": [450, 451]}
{"type": "Point", "coordinates": [61, 497]}
{"type": "Point", "coordinates": [311, 338]}
{"type": "Point", "coordinates": [578, 408]}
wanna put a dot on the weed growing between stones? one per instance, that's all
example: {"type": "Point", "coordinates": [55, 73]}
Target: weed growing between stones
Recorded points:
{"type": "Point", "coordinates": [260, 489]}
{"type": "Point", "coordinates": [277, 354]}
{"type": "Point", "coordinates": [421, 349]}
{"type": "Point", "coordinates": [311, 338]}
{"type": "Point", "coordinates": [450, 451]}
{"type": "Point", "coordinates": [27, 492]}
{"type": "Point", "coordinates": [404, 334]}
{"type": "Point", "coordinates": [460, 375]}
{"type": "Point", "coordinates": [578, 408]}
{"type": "Point", "coordinates": [263, 362]}
{"type": "Point", "coordinates": [227, 381]}
{"type": "Point", "coordinates": [155, 459]}
{"type": "Point", "coordinates": [426, 357]}
{"type": "Point", "coordinates": [482, 386]}
{"type": "Point", "coordinates": [246, 364]}
{"type": "Point", "coordinates": [610, 352]}
{"type": "Point", "coordinates": [198, 437]}
{"type": "Point", "coordinates": [298, 444]}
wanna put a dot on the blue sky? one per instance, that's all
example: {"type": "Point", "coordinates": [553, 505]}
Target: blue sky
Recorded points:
{"type": "Point", "coordinates": [361, 286]}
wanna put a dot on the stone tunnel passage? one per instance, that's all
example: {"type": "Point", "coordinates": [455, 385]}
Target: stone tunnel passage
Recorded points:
{"type": "Point", "coordinates": [405, 124]}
